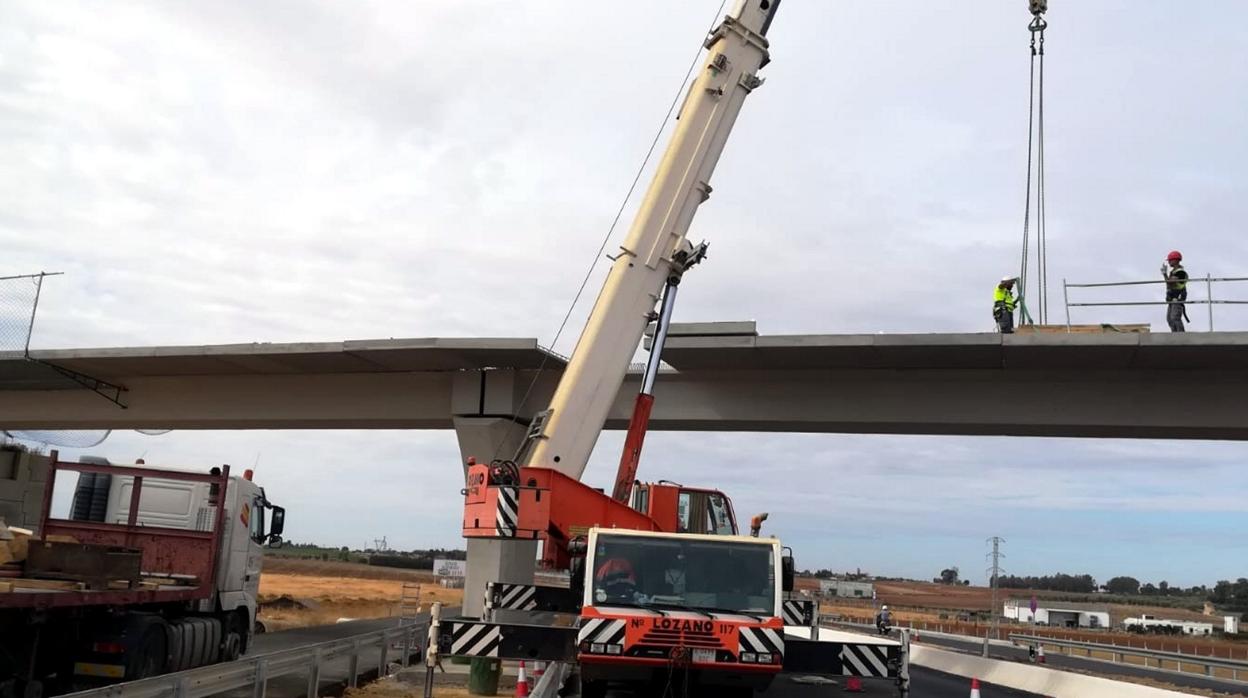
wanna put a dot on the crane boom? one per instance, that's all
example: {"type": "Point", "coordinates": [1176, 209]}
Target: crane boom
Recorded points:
{"type": "Point", "coordinates": [655, 250]}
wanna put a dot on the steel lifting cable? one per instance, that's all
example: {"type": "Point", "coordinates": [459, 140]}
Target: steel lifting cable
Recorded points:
{"type": "Point", "coordinates": [1042, 233]}
{"type": "Point", "coordinates": [1035, 144]}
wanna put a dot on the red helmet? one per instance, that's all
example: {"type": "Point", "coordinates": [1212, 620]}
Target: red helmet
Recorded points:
{"type": "Point", "coordinates": [1174, 256]}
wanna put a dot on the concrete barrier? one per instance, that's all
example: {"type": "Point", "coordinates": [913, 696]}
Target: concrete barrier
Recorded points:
{"type": "Point", "coordinates": [1033, 679]}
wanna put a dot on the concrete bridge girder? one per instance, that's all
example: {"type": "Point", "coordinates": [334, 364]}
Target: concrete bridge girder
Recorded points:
{"type": "Point", "coordinates": [1075, 402]}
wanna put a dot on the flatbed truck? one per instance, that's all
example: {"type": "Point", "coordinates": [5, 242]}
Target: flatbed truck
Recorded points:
{"type": "Point", "coordinates": [196, 541]}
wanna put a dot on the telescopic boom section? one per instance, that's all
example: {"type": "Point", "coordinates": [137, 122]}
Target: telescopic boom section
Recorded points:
{"type": "Point", "coordinates": [655, 249]}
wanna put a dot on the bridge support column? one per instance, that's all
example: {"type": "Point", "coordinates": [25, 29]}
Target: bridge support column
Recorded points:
{"type": "Point", "coordinates": [492, 560]}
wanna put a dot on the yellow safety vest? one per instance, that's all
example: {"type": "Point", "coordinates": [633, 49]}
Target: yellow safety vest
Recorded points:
{"type": "Point", "coordinates": [1005, 296]}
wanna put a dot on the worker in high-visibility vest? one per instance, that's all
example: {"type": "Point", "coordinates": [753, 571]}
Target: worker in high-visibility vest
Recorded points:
{"type": "Point", "coordinates": [1176, 290]}
{"type": "Point", "coordinates": [1003, 305]}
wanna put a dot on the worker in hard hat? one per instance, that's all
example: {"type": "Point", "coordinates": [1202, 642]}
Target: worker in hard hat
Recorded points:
{"type": "Point", "coordinates": [883, 620]}
{"type": "Point", "coordinates": [1003, 304]}
{"type": "Point", "coordinates": [1176, 290]}
{"type": "Point", "coordinates": [615, 579]}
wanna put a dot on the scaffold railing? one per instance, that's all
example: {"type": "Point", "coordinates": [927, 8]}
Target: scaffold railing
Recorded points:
{"type": "Point", "coordinates": [1207, 281]}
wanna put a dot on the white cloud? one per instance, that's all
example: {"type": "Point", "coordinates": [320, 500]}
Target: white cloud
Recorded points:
{"type": "Point", "coordinates": [315, 171]}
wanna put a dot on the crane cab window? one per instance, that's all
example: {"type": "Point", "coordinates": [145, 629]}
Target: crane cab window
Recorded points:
{"type": "Point", "coordinates": [641, 500]}
{"type": "Point", "coordinates": [704, 512]}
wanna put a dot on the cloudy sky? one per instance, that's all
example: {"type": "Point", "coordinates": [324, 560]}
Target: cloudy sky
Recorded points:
{"type": "Point", "coordinates": [283, 171]}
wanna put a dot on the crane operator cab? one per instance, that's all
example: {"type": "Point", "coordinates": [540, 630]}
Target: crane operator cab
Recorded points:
{"type": "Point", "coordinates": [685, 509]}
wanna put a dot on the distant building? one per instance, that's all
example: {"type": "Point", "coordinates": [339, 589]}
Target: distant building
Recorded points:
{"type": "Point", "coordinates": [1230, 625]}
{"type": "Point", "coordinates": [840, 587]}
{"type": "Point", "coordinates": [1058, 614]}
{"type": "Point", "coordinates": [1148, 623]}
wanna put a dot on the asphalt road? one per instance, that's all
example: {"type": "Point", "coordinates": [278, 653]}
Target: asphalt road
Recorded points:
{"type": "Point", "coordinates": [1099, 668]}
{"type": "Point", "coordinates": [924, 683]}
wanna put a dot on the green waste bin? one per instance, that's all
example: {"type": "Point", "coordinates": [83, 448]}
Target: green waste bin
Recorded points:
{"type": "Point", "coordinates": [483, 676]}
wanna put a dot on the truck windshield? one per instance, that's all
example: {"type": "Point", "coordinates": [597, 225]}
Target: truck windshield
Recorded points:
{"type": "Point", "coordinates": [673, 573]}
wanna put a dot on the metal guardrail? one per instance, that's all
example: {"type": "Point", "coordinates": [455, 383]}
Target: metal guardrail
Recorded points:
{"type": "Point", "coordinates": [1118, 654]}
{"type": "Point", "coordinates": [256, 671]}
{"type": "Point", "coordinates": [1209, 300]}
{"type": "Point", "coordinates": [548, 686]}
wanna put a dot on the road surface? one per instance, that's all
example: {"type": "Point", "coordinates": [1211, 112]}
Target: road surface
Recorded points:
{"type": "Point", "coordinates": [1091, 666]}
{"type": "Point", "coordinates": [924, 683]}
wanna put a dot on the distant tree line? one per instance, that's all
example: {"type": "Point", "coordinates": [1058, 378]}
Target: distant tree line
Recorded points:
{"type": "Point", "coordinates": [1232, 596]}
{"type": "Point", "coordinates": [415, 559]}
{"type": "Point", "coordinates": [1071, 583]}
{"type": "Point", "coordinates": [949, 575]}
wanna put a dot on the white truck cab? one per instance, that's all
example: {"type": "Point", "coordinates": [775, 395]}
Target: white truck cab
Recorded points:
{"type": "Point", "coordinates": [250, 522]}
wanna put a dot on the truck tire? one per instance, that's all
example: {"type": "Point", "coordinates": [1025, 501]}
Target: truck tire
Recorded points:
{"type": "Point", "coordinates": [80, 510]}
{"type": "Point", "coordinates": [233, 637]}
{"type": "Point", "coordinates": [99, 496]}
{"type": "Point", "coordinates": [151, 655]}
{"type": "Point", "coordinates": [23, 689]}
{"type": "Point", "coordinates": [593, 689]}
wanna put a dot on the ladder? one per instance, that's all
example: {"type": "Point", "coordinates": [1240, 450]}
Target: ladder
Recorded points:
{"type": "Point", "coordinates": [409, 602]}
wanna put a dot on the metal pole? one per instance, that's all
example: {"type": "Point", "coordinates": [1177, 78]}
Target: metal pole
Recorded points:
{"type": "Point", "coordinates": [1209, 297]}
{"type": "Point", "coordinates": [314, 675]}
{"type": "Point", "coordinates": [30, 329]}
{"type": "Point", "coordinates": [262, 679]}
{"type": "Point", "coordinates": [407, 646]}
{"type": "Point", "coordinates": [1066, 302]}
{"type": "Point", "coordinates": [353, 667]}
{"type": "Point", "coordinates": [431, 646]}
{"type": "Point", "coordinates": [903, 676]}
{"type": "Point", "coordinates": [660, 337]}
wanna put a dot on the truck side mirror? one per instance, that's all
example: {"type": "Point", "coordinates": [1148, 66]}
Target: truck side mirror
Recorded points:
{"type": "Point", "coordinates": [278, 522]}
{"type": "Point", "coordinates": [787, 572]}
{"type": "Point", "coordinates": [275, 542]}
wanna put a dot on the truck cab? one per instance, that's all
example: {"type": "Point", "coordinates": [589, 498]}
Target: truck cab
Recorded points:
{"type": "Point", "coordinates": [710, 604]}
{"type": "Point", "coordinates": [685, 509]}
{"type": "Point", "coordinates": [249, 523]}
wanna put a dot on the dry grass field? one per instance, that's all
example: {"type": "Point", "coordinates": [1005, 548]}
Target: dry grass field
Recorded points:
{"type": "Point", "coordinates": [938, 606]}
{"type": "Point", "coordinates": [328, 591]}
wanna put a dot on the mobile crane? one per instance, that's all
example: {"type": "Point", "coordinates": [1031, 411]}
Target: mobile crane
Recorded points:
{"type": "Point", "coordinates": [662, 584]}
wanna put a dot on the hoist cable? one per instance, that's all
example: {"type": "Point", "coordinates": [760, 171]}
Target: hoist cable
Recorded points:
{"type": "Point", "coordinates": [1042, 232]}
{"type": "Point", "coordinates": [1031, 111]}
{"type": "Point", "coordinates": [1035, 166]}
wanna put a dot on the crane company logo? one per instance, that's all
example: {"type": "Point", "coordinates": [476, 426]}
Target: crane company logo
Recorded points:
{"type": "Point", "coordinates": [684, 625]}
{"type": "Point", "coordinates": [245, 514]}
{"type": "Point", "coordinates": [475, 480]}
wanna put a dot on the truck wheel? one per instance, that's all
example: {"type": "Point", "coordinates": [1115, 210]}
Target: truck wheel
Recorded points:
{"type": "Point", "coordinates": [151, 655]}
{"type": "Point", "coordinates": [593, 689]}
{"type": "Point", "coordinates": [232, 638]}
{"type": "Point", "coordinates": [27, 689]}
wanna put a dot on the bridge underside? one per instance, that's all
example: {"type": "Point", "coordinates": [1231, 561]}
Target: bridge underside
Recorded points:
{"type": "Point", "coordinates": [1111, 386]}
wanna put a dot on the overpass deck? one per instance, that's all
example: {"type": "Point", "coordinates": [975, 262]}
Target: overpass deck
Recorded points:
{"type": "Point", "coordinates": [1094, 385]}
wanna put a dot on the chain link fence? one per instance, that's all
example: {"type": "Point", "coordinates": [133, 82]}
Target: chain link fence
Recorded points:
{"type": "Point", "coordinates": [19, 298]}
{"type": "Point", "coordinates": [19, 301]}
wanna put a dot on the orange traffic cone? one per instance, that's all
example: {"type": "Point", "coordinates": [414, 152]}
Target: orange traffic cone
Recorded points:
{"type": "Point", "coordinates": [974, 688]}
{"type": "Point", "coordinates": [539, 668]}
{"type": "Point", "coordinates": [522, 684]}
{"type": "Point", "coordinates": [1040, 654]}
{"type": "Point", "coordinates": [853, 684]}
